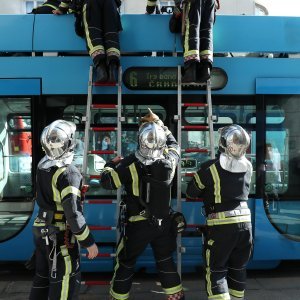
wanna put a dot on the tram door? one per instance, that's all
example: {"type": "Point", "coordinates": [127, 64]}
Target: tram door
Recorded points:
{"type": "Point", "coordinates": [16, 173]}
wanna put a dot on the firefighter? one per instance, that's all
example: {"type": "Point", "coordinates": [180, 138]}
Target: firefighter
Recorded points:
{"type": "Point", "coordinates": [224, 183]}
{"type": "Point", "coordinates": [47, 7]}
{"type": "Point", "coordinates": [197, 33]}
{"type": "Point", "coordinates": [146, 176]}
{"type": "Point", "coordinates": [60, 225]}
{"type": "Point", "coordinates": [102, 24]}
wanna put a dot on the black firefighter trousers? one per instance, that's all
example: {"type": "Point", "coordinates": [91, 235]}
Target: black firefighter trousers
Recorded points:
{"type": "Point", "coordinates": [102, 24]}
{"type": "Point", "coordinates": [198, 36]}
{"type": "Point", "coordinates": [62, 284]}
{"type": "Point", "coordinates": [163, 242]}
{"type": "Point", "coordinates": [227, 249]}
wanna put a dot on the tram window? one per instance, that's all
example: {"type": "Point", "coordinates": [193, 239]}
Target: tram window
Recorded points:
{"type": "Point", "coordinates": [15, 165]}
{"type": "Point", "coordinates": [282, 164]}
{"type": "Point", "coordinates": [75, 118]}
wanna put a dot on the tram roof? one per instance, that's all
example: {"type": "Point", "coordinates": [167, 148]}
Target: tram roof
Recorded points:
{"type": "Point", "coordinates": [143, 33]}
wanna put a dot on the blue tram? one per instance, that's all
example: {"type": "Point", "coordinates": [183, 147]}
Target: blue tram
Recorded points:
{"type": "Point", "coordinates": [44, 76]}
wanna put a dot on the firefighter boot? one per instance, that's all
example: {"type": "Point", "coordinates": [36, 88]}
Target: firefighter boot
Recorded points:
{"type": "Point", "coordinates": [190, 72]}
{"type": "Point", "coordinates": [100, 69]}
{"type": "Point", "coordinates": [113, 66]}
{"type": "Point", "coordinates": [204, 71]}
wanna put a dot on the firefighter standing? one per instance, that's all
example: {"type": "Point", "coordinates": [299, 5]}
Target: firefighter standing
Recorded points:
{"type": "Point", "coordinates": [60, 224]}
{"type": "Point", "coordinates": [102, 24]}
{"type": "Point", "coordinates": [146, 176]}
{"type": "Point", "coordinates": [224, 183]}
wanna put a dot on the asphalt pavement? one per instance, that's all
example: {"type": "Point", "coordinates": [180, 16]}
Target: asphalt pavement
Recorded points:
{"type": "Point", "coordinates": [282, 283]}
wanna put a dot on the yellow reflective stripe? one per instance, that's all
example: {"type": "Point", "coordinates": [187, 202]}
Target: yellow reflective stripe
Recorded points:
{"type": "Point", "coordinates": [64, 250]}
{"type": "Point", "coordinates": [224, 296]}
{"type": "Point", "coordinates": [206, 52]}
{"type": "Point", "coordinates": [64, 5]}
{"type": "Point", "coordinates": [119, 296]}
{"type": "Point", "coordinates": [191, 52]}
{"type": "Point", "coordinates": [38, 224]}
{"type": "Point", "coordinates": [217, 186]}
{"type": "Point", "coordinates": [114, 176]}
{"type": "Point", "coordinates": [70, 190]}
{"type": "Point", "coordinates": [58, 216]}
{"type": "Point", "coordinates": [201, 186]}
{"type": "Point", "coordinates": [135, 180]}
{"type": "Point", "coordinates": [235, 293]}
{"type": "Point", "coordinates": [210, 242]}
{"type": "Point", "coordinates": [113, 50]}
{"type": "Point", "coordinates": [208, 273]}
{"type": "Point", "coordinates": [232, 220]}
{"type": "Point", "coordinates": [136, 218]}
{"type": "Point", "coordinates": [116, 295]}
{"type": "Point", "coordinates": [52, 6]}
{"type": "Point", "coordinates": [68, 270]}
{"type": "Point", "coordinates": [56, 193]}
{"type": "Point", "coordinates": [84, 235]}
{"type": "Point", "coordinates": [151, 3]}
{"type": "Point", "coordinates": [92, 49]}
{"type": "Point", "coordinates": [187, 30]}
{"type": "Point", "coordinates": [175, 150]}
{"type": "Point", "coordinates": [61, 225]}
{"type": "Point", "coordinates": [173, 290]}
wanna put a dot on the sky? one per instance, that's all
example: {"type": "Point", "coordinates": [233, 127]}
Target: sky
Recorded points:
{"type": "Point", "coordinates": [282, 7]}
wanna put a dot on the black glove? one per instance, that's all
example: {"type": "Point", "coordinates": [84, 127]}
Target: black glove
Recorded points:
{"type": "Point", "coordinates": [150, 9]}
{"type": "Point", "coordinates": [178, 222]}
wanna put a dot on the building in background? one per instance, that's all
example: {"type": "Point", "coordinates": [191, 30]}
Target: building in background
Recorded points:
{"type": "Point", "coordinates": [228, 7]}
{"type": "Point", "coordinates": [18, 6]}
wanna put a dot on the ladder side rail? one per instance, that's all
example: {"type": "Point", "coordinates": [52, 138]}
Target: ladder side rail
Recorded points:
{"type": "Point", "coordinates": [87, 125]}
{"type": "Point", "coordinates": [210, 120]}
{"type": "Point", "coordinates": [119, 142]}
{"type": "Point", "coordinates": [179, 204]}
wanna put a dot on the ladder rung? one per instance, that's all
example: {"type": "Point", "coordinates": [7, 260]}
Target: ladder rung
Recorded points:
{"type": "Point", "coordinates": [96, 227]}
{"type": "Point", "coordinates": [100, 201]}
{"type": "Point", "coordinates": [188, 174]}
{"type": "Point", "coordinates": [105, 83]}
{"type": "Point", "coordinates": [191, 150]}
{"type": "Point", "coordinates": [194, 104]}
{"type": "Point", "coordinates": [103, 106]}
{"type": "Point", "coordinates": [192, 200]}
{"type": "Point", "coordinates": [95, 176]}
{"type": "Point", "coordinates": [95, 282]}
{"type": "Point", "coordinates": [102, 152]}
{"type": "Point", "coordinates": [104, 128]}
{"type": "Point", "coordinates": [195, 127]}
{"type": "Point", "coordinates": [100, 255]}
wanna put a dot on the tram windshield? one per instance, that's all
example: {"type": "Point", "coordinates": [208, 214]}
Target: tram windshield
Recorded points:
{"type": "Point", "coordinates": [282, 164]}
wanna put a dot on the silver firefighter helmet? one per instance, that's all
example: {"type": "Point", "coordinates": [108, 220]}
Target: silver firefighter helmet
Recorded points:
{"type": "Point", "coordinates": [234, 140]}
{"type": "Point", "coordinates": [58, 139]}
{"type": "Point", "coordinates": [152, 142]}
{"type": "Point", "coordinates": [233, 144]}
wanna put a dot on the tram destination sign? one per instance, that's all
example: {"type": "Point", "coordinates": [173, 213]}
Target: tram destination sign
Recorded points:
{"type": "Point", "coordinates": [165, 78]}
